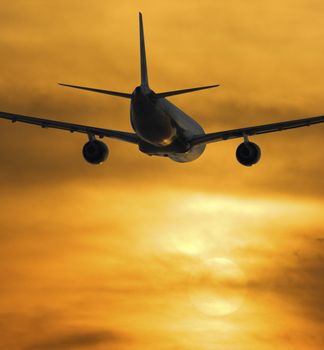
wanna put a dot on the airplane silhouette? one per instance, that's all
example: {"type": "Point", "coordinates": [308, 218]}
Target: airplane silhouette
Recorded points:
{"type": "Point", "coordinates": [161, 128]}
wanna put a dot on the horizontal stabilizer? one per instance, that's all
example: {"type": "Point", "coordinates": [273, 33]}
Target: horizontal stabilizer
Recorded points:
{"type": "Point", "coordinates": [107, 92]}
{"type": "Point", "coordinates": [179, 92]}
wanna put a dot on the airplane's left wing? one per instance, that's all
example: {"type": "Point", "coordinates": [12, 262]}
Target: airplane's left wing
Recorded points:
{"type": "Point", "coordinates": [89, 130]}
{"type": "Point", "coordinates": [254, 130]}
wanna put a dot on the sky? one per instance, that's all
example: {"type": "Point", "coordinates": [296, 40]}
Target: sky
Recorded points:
{"type": "Point", "coordinates": [142, 252]}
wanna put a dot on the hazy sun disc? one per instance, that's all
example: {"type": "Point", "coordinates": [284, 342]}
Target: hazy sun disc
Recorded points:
{"type": "Point", "coordinates": [221, 287]}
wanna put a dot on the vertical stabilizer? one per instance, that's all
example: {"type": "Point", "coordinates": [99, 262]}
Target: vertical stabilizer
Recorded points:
{"type": "Point", "coordinates": [144, 77]}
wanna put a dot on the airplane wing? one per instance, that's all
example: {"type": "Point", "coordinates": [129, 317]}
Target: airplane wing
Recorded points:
{"type": "Point", "coordinates": [254, 130]}
{"type": "Point", "coordinates": [90, 130]}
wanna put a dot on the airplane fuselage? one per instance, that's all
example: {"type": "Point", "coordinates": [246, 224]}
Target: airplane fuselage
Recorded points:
{"type": "Point", "coordinates": [163, 128]}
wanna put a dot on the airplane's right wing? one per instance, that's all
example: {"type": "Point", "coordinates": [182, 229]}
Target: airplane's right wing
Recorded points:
{"type": "Point", "coordinates": [254, 130]}
{"type": "Point", "coordinates": [89, 130]}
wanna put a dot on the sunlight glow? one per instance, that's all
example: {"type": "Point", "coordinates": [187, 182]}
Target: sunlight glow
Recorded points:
{"type": "Point", "coordinates": [207, 225]}
{"type": "Point", "coordinates": [224, 294]}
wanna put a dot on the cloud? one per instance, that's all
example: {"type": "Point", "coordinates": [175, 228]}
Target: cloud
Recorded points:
{"type": "Point", "coordinates": [294, 276]}
{"type": "Point", "coordinates": [50, 330]}
{"type": "Point", "coordinates": [304, 282]}
{"type": "Point", "coordinates": [77, 340]}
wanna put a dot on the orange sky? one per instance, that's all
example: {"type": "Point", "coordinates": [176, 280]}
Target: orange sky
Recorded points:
{"type": "Point", "coordinates": [141, 252]}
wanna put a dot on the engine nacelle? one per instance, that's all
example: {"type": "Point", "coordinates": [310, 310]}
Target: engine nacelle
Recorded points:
{"type": "Point", "coordinates": [248, 153]}
{"type": "Point", "coordinates": [95, 152]}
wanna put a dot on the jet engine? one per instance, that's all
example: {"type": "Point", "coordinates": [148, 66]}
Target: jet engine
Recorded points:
{"type": "Point", "coordinates": [95, 152]}
{"type": "Point", "coordinates": [248, 153]}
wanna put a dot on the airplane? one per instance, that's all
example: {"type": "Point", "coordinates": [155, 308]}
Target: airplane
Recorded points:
{"type": "Point", "coordinates": [161, 128]}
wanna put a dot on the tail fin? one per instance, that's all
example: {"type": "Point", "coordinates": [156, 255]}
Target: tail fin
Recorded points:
{"type": "Point", "coordinates": [144, 76]}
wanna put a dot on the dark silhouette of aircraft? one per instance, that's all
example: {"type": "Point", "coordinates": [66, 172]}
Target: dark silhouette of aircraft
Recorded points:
{"type": "Point", "coordinates": [161, 128]}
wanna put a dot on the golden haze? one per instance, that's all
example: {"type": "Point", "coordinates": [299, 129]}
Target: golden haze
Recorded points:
{"type": "Point", "coordinates": [143, 253]}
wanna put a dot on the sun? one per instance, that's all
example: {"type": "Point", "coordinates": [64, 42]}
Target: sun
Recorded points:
{"type": "Point", "coordinates": [221, 290]}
